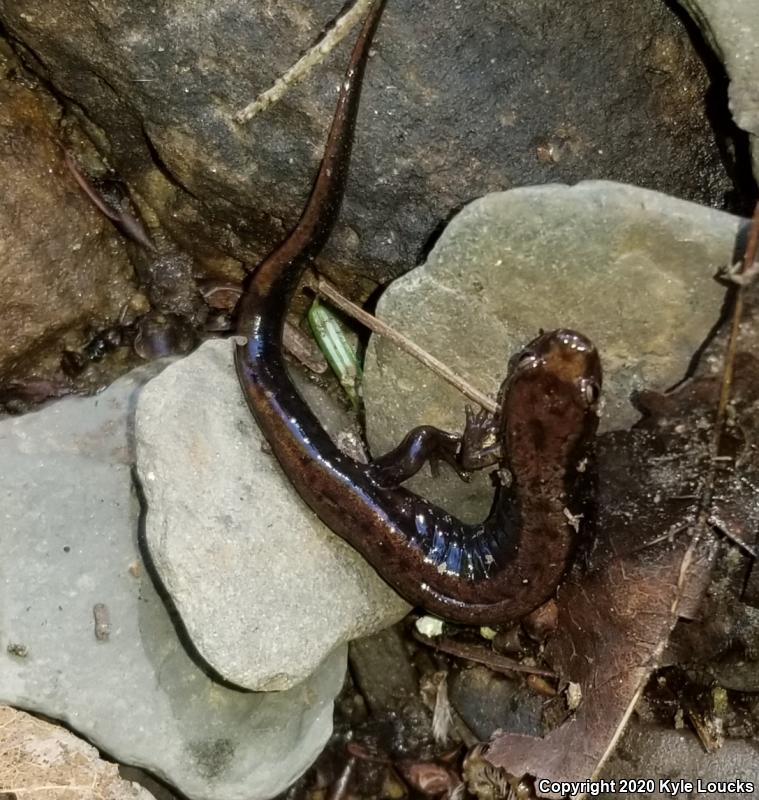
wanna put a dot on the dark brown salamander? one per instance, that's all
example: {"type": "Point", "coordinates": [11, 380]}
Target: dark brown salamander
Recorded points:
{"type": "Point", "coordinates": [490, 572]}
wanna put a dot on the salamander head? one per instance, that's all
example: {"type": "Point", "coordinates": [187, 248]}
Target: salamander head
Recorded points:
{"type": "Point", "coordinates": [567, 356]}
{"type": "Point", "coordinates": [550, 402]}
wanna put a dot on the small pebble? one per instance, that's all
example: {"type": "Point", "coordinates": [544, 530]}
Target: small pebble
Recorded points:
{"type": "Point", "coordinates": [102, 622]}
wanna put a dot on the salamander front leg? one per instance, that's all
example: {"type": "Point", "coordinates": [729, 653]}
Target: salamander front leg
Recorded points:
{"type": "Point", "coordinates": [420, 445]}
{"type": "Point", "coordinates": [481, 442]}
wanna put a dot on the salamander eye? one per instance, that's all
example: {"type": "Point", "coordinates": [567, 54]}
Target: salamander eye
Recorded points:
{"type": "Point", "coordinates": [525, 356]}
{"type": "Point", "coordinates": [523, 360]}
{"type": "Point", "coordinates": [591, 392]}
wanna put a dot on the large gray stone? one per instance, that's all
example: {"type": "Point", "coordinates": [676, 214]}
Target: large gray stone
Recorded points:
{"type": "Point", "coordinates": [732, 29]}
{"type": "Point", "coordinates": [631, 268]}
{"type": "Point", "coordinates": [264, 590]}
{"type": "Point", "coordinates": [69, 542]}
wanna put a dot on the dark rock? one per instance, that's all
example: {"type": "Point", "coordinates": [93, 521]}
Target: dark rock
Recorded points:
{"type": "Point", "coordinates": [488, 702]}
{"type": "Point", "coordinates": [514, 94]}
{"type": "Point", "coordinates": [62, 265]}
{"type": "Point", "coordinates": [381, 667]}
{"type": "Point", "coordinates": [383, 671]}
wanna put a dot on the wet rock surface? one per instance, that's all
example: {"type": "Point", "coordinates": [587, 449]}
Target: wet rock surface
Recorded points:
{"type": "Point", "coordinates": [730, 27]}
{"type": "Point", "coordinates": [62, 266]}
{"type": "Point", "coordinates": [45, 761]}
{"type": "Point", "coordinates": [264, 590]}
{"type": "Point", "coordinates": [489, 702]}
{"type": "Point", "coordinates": [86, 638]}
{"type": "Point", "coordinates": [510, 95]}
{"type": "Point", "coordinates": [632, 269]}
{"type": "Point", "coordinates": [382, 669]}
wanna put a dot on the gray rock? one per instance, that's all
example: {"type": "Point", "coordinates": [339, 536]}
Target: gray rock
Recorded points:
{"type": "Point", "coordinates": [69, 542]}
{"type": "Point", "coordinates": [648, 751]}
{"type": "Point", "coordinates": [511, 94]}
{"type": "Point", "coordinates": [264, 590]}
{"type": "Point", "coordinates": [631, 268]}
{"type": "Point", "coordinates": [731, 27]}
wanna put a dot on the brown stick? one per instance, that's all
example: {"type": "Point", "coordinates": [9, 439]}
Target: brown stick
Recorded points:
{"type": "Point", "coordinates": [705, 504]}
{"type": "Point", "coordinates": [749, 258]}
{"type": "Point", "coordinates": [481, 655]}
{"type": "Point", "coordinates": [125, 222]}
{"type": "Point", "coordinates": [329, 292]}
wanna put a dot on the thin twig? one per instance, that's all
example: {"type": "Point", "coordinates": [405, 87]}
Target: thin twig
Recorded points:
{"type": "Point", "coordinates": [703, 517]}
{"type": "Point", "coordinates": [746, 269]}
{"type": "Point", "coordinates": [481, 655]}
{"type": "Point", "coordinates": [339, 789]}
{"type": "Point", "coordinates": [329, 292]}
{"type": "Point", "coordinates": [127, 223]}
{"type": "Point", "coordinates": [749, 258]}
{"type": "Point", "coordinates": [724, 529]}
{"type": "Point", "coordinates": [315, 55]}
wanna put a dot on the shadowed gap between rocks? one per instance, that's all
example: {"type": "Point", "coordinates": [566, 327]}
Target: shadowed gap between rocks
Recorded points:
{"type": "Point", "coordinates": [732, 142]}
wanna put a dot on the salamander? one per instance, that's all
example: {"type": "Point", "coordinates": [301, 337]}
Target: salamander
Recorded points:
{"type": "Point", "coordinates": [490, 572]}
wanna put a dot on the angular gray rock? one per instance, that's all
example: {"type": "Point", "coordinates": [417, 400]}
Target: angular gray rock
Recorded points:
{"type": "Point", "coordinates": [731, 27]}
{"type": "Point", "coordinates": [264, 590]}
{"type": "Point", "coordinates": [631, 268]}
{"type": "Point", "coordinates": [85, 638]}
